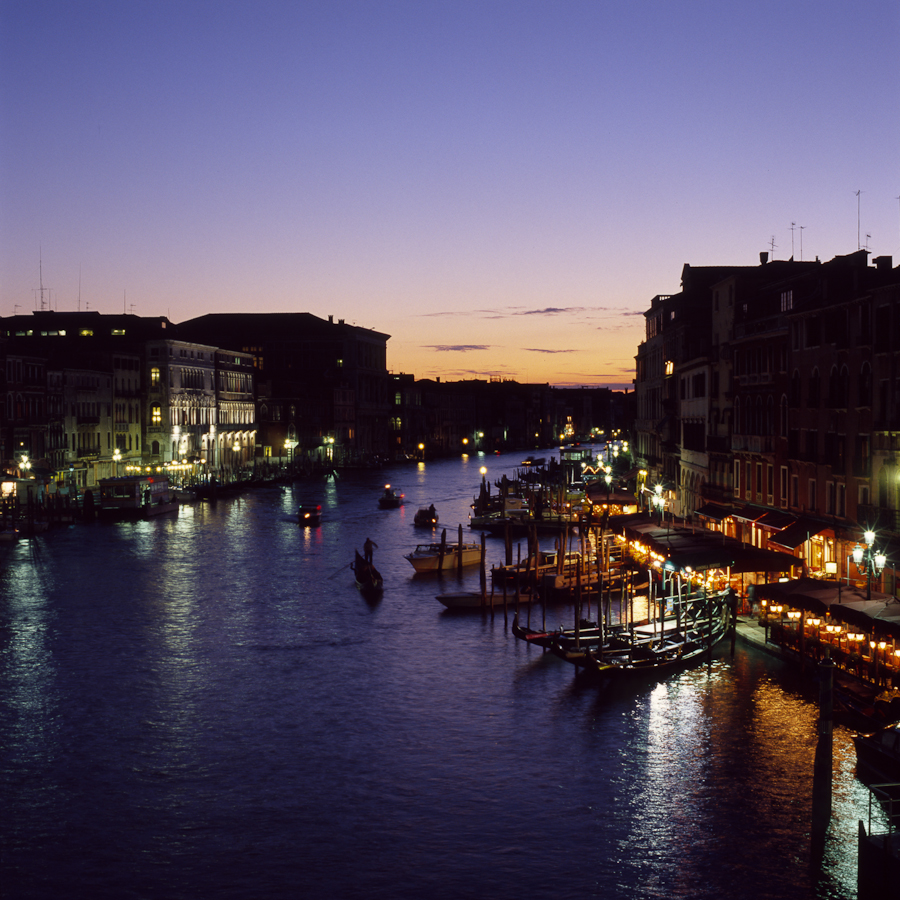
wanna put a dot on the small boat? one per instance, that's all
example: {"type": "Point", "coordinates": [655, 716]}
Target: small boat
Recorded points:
{"type": "Point", "coordinates": [391, 498]}
{"type": "Point", "coordinates": [426, 517]}
{"type": "Point", "coordinates": [880, 751]}
{"type": "Point", "coordinates": [474, 600]}
{"type": "Point", "coordinates": [368, 578]}
{"type": "Point", "coordinates": [310, 516]}
{"type": "Point", "coordinates": [440, 555]}
{"type": "Point", "coordinates": [136, 497]}
{"type": "Point", "coordinates": [463, 600]}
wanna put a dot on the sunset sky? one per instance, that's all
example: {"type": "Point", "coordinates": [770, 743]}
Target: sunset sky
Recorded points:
{"type": "Point", "coordinates": [500, 186]}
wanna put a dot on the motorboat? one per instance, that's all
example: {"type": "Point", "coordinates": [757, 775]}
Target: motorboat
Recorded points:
{"type": "Point", "coordinates": [880, 751]}
{"type": "Point", "coordinates": [391, 498]}
{"type": "Point", "coordinates": [310, 516]}
{"type": "Point", "coordinates": [426, 517]}
{"type": "Point", "coordinates": [136, 497]}
{"type": "Point", "coordinates": [440, 555]}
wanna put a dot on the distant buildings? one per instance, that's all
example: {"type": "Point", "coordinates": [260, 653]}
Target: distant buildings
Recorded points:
{"type": "Point", "coordinates": [89, 396]}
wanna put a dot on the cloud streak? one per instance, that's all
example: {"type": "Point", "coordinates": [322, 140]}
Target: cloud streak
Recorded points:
{"type": "Point", "coordinates": [456, 348]}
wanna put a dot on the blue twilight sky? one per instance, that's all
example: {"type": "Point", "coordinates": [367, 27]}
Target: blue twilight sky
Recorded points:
{"type": "Point", "coordinates": [501, 186]}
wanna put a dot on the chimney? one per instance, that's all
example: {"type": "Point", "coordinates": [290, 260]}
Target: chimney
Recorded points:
{"type": "Point", "coordinates": [763, 258]}
{"type": "Point", "coordinates": [884, 263]}
{"type": "Point", "coordinates": [331, 319]}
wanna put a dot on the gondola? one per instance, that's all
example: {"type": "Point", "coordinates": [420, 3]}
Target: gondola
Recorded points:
{"type": "Point", "coordinates": [368, 578]}
{"type": "Point", "coordinates": [649, 650]}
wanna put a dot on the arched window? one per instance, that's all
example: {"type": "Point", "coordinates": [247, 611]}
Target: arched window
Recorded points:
{"type": "Point", "coordinates": [769, 428]}
{"type": "Point", "coordinates": [156, 414]}
{"type": "Point", "coordinates": [813, 389]}
{"type": "Point", "coordinates": [834, 388]}
{"type": "Point", "coordinates": [738, 421]}
{"type": "Point", "coordinates": [783, 418]}
{"type": "Point", "coordinates": [795, 388]}
{"type": "Point", "coordinates": [845, 387]}
{"type": "Point", "coordinates": [154, 376]}
{"type": "Point", "coordinates": [865, 385]}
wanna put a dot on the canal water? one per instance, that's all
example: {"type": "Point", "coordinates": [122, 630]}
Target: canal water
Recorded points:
{"type": "Point", "coordinates": [205, 706]}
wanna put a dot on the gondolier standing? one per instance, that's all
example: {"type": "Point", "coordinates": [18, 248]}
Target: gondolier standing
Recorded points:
{"type": "Point", "coordinates": [368, 547]}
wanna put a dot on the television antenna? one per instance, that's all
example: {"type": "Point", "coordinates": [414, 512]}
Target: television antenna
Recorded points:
{"type": "Point", "coordinates": [801, 241]}
{"type": "Point", "coordinates": [858, 245]}
{"type": "Point", "coordinates": [41, 281]}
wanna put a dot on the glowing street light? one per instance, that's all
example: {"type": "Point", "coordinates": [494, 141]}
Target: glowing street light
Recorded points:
{"type": "Point", "coordinates": [659, 502]}
{"type": "Point", "coordinates": [870, 559]}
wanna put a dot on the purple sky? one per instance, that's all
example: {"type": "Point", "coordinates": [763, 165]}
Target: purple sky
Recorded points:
{"type": "Point", "coordinates": [501, 186]}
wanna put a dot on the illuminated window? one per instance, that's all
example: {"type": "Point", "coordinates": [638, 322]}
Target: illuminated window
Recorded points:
{"type": "Point", "coordinates": [156, 414]}
{"type": "Point", "coordinates": [86, 332]}
{"type": "Point", "coordinates": [670, 367]}
{"type": "Point", "coordinates": [154, 376]}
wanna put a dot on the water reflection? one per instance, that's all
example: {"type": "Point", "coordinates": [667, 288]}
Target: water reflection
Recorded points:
{"type": "Point", "coordinates": [216, 682]}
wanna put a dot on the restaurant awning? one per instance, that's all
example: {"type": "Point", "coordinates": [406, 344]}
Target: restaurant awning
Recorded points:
{"type": "Point", "coordinates": [714, 511]}
{"type": "Point", "coordinates": [794, 535]}
{"type": "Point", "coordinates": [748, 513]}
{"type": "Point", "coordinates": [776, 520]}
{"type": "Point", "coordinates": [758, 559]}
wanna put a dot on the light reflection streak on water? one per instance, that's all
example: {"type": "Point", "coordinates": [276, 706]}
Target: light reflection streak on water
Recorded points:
{"type": "Point", "coordinates": [26, 660]}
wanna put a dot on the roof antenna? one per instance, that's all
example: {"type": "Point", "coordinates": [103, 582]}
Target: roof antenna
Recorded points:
{"type": "Point", "coordinates": [858, 244]}
{"type": "Point", "coordinates": [41, 276]}
{"type": "Point", "coordinates": [801, 227]}
{"type": "Point", "coordinates": [772, 246]}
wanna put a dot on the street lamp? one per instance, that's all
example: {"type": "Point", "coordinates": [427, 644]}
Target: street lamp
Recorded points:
{"type": "Point", "coordinates": [608, 479]}
{"type": "Point", "coordinates": [870, 559]}
{"type": "Point", "coordinates": [117, 458]}
{"type": "Point", "coordinates": [794, 616]}
{"type": "Point", "coordinates": [779, 610]}
{"type": "Point", "coordinates": [659, 502]}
